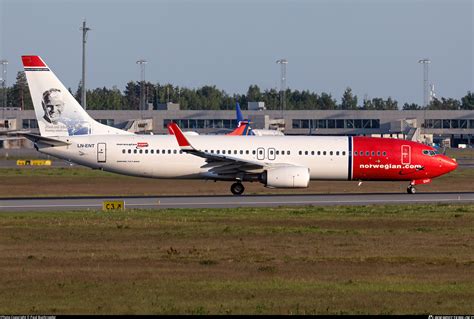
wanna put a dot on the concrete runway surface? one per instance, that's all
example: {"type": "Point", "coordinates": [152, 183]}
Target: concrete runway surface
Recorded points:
{"type": "Point", "coordinates": [75, 203]}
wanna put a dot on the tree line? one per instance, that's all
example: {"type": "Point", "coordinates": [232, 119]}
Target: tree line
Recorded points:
{"type": "Point", "coordinates": [209, 97]}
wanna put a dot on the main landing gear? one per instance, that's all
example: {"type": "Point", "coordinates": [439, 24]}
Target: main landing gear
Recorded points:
{"type": "Point", "coordinates": [237, 188]}
{"type": "Point", "coordinates": [411, 189]}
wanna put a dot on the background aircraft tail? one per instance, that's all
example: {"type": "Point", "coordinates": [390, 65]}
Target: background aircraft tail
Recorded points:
{"type": "Point", "coordinates": [238, 113]}
{"type": "Point", "coordinates": [57, 111]}
{"type": "Point", "coordinates": [243, 126]}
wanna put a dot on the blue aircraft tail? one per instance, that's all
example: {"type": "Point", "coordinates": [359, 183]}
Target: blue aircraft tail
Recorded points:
{"type": "Point", "coordinates": [238, 112]}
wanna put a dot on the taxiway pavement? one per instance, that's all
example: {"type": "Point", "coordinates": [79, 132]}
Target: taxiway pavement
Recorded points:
{"type": "Point", "coordinates": [76, 203]}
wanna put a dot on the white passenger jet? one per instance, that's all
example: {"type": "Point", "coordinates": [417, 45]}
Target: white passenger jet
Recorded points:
{"type": "Point", "coordinates": [68, 132]}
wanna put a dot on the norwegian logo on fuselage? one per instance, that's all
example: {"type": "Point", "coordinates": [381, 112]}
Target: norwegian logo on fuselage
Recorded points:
{"type": "Point", "coordinates": [142, 144]}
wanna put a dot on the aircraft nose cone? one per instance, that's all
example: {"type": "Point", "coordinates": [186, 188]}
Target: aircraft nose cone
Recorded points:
{"type": "Point", "coordinates": [454, 164]}
{"type": "Point", "coordinates": [450, 164]}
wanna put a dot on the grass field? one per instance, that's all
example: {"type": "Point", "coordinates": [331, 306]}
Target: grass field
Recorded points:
{"type": "Point", "coordinates": [415, 259]}
{"type": "Point", "coordinates": [21, 182]}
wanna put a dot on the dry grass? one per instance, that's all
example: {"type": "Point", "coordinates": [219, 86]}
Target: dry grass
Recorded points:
{"type": "Point", "coordinates": [78, 181]}
{"type": "Point", "coordinates": [323, 260]}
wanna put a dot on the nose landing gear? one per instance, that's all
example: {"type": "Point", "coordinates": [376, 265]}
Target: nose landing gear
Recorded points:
{"type": "Point", "coordinates": [237, 188]}
{"type": "Point", "coordinates": [411, 189]}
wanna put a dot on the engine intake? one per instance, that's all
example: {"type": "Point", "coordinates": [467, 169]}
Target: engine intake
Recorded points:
{"type": "Point", "coordinates": [286, 177]}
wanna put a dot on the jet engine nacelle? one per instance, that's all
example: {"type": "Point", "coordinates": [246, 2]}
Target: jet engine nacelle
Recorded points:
{"type": "Point", "coordinates": [286, 177]}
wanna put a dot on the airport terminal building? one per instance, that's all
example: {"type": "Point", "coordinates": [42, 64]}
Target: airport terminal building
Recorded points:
{"type": "Point", "coordinates": [442, 127]}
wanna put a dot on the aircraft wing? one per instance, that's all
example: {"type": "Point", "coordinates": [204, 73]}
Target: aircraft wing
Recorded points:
{"type": "Point", "coordinates": [221, 164]}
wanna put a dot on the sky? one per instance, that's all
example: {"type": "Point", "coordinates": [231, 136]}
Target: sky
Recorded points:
{"type": "Point", "coordinates": [372, 46]}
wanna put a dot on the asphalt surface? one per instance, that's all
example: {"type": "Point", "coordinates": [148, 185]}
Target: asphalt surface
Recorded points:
{"type": "Point", "coordinates": [76, 203]}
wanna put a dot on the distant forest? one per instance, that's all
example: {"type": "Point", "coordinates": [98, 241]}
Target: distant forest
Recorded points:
{"type": "Point", "coordinates": [211, 98]}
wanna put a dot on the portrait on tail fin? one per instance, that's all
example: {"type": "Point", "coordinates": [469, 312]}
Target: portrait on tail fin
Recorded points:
{"type": "Point", "coordinates": [54, 113]}
{"type": "Point", "coordinates": [53, 105]}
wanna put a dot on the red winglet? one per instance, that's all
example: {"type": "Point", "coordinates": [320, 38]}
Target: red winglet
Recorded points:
{"type": "Point", "coordinates": [32, 61]}
{"type": "Point", "coordinates": [174, 129]}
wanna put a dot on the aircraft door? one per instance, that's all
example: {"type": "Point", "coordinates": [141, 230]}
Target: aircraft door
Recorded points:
{"type": "Point", "coordinates": [101, 152]}
{"type": "Point", "coordinates": [260, 153]}
{"type": "Point", "coordinates": [406, 154]}
{"type": "Point", "coordinates": [271, 154]}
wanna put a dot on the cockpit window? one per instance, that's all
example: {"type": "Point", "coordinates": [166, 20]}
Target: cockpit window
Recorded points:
{"type": "Point", "coordinates": [430, 152]}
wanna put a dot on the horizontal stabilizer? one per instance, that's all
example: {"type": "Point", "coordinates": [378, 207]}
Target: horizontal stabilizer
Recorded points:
{"type": "Point", "coordinates": [43, 139]}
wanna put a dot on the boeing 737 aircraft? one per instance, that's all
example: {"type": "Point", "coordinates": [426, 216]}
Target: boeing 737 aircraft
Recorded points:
{"type": "Point", "coordinates": [68, 132]}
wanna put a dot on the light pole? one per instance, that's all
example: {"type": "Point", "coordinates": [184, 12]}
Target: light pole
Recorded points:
{"type": "Point", "coordinates": [4, 64]}
{"type": "Point", "coordinates": [84, 38]}
{"type": "Point", "coordinates": [283, 63]}
{"type": "Point", "coordinates": [142, 64]}
{"type": "Point", "coordinates": [426, 89]}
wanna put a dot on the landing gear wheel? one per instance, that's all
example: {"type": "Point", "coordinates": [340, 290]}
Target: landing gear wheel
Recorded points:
{"type": "Point", "coordinates": [411, 189]}
{"type": "Point", "coordinates": [237, 188]}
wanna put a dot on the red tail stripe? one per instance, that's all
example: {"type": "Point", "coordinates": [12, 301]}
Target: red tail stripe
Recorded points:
{"type": "Point", "coordinates": [32, 61]}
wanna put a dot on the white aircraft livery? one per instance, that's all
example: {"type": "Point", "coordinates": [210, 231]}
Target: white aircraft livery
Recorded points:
{"type": "Point", "coordinates": [68, 132]}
